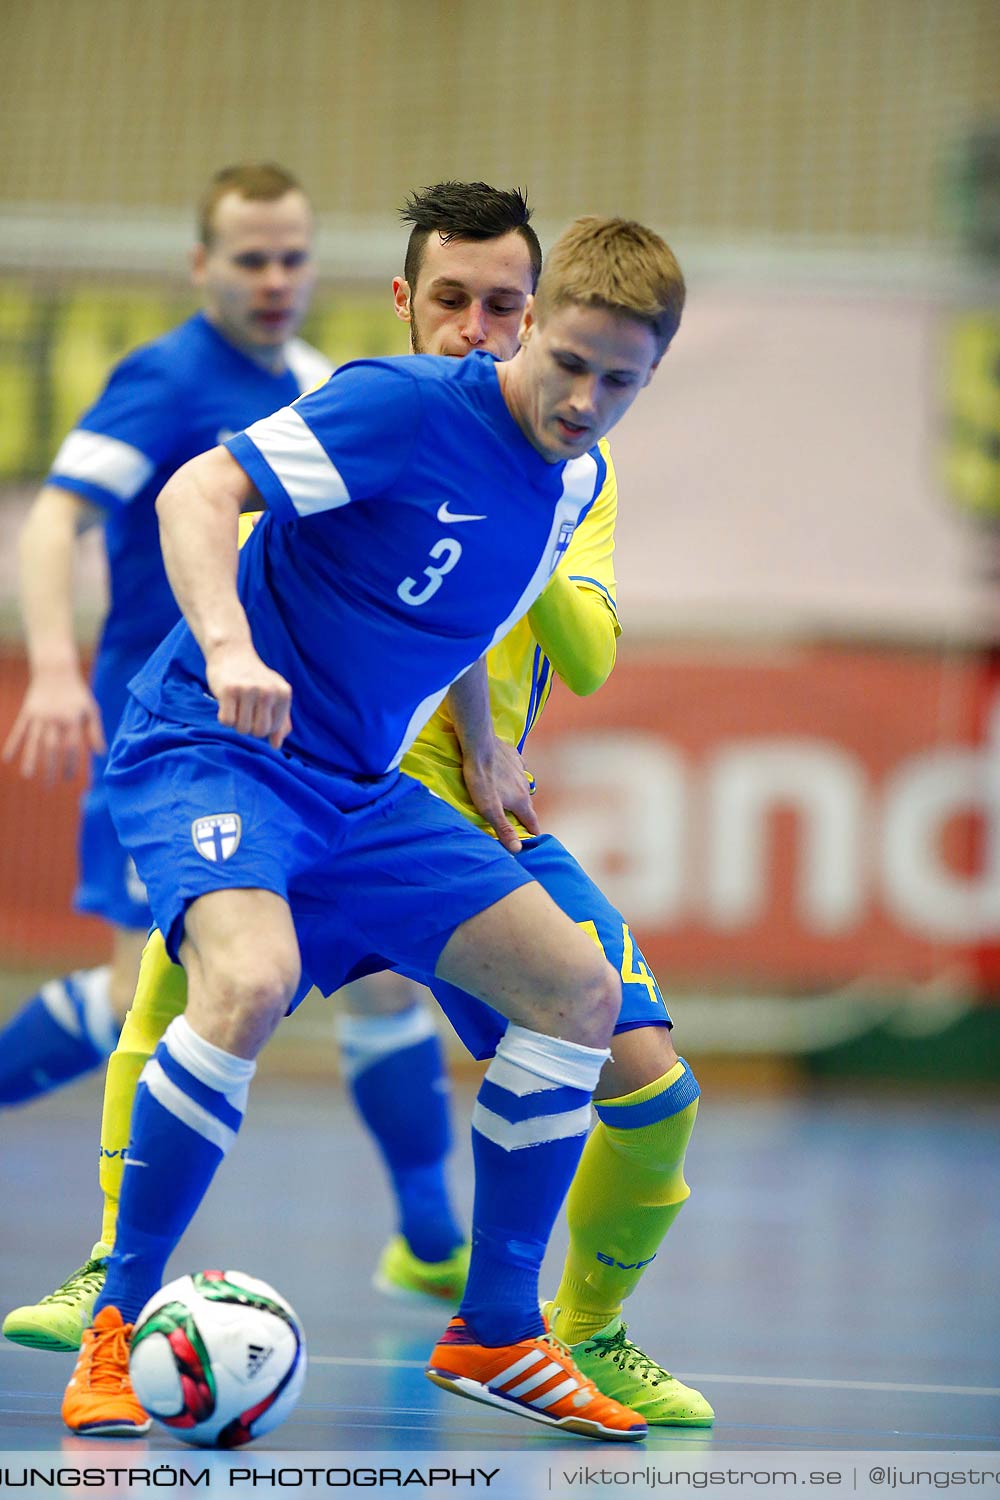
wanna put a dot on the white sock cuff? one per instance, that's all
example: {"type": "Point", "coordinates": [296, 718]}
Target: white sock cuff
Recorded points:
{"type": "Point", "coordinates": [216, 1069]}
{"type": "Point", "coordinates": [550, 1057]}
{"type": "Point", "coordinates": [100, 1020]}
{"type": "Point", "coordinates": [94, 1018]}
{"type": "Point", "coordinates": [377, 1034]}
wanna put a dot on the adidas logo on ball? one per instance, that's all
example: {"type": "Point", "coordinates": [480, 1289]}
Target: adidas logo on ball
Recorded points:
{"type": "Point", "coordinates": [257, 1357]}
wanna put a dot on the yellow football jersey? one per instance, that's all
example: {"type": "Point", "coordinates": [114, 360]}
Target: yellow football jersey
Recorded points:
{"type": "Point", "coordinates": [520, 673]}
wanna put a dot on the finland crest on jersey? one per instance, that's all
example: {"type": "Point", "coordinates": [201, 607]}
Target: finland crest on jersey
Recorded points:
{"type": "Point", "coordinates": [217, 837]}
{"type": "Point", "coordinates": [563, 540]}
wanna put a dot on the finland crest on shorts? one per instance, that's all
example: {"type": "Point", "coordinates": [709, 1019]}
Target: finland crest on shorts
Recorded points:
{"type": "Point", "coordinates": [217, 837]}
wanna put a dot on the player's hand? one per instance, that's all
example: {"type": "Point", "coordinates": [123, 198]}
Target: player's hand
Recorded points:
{"type": "Point", "coordinates": [499, 782]}
{"type": "Point", "coordinates": [252, 698]}
{"type": "Point", "coordinates": [58, 724]}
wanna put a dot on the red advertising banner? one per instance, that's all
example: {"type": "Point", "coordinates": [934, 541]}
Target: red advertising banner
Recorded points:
{"type": "Point", "coordinates": [793, 818]}
{"type": "Point", "coordinates": [38, 857]}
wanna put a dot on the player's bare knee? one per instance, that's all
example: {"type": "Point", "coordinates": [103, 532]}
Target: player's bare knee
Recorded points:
{"type": "Point", "coordinates": [604, 997]}
{"type": "Point", "coordinates": [590, 1004]}
{"type": "Point", "coordinates": [268, 989]}
{"type": "Point", "coordinates": [250, 996]}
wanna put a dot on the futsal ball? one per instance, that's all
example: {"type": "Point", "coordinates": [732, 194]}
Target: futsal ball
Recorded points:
{"type": "Point", "coordinates": [218, 1357]}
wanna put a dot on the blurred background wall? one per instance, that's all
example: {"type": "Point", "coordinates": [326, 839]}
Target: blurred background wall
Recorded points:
{"type": "Point", "coordinates": [786, 120]}
{"type": "Point", "coordinates": [792, 781]}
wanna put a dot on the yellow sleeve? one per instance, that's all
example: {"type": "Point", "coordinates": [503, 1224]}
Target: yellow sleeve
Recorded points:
{"type": "Point", "coordinates": [575, 620]}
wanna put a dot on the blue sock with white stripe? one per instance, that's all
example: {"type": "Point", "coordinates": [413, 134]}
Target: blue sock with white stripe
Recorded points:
{"type": "Point", "coordinates": [63, 1032]}
{"type": "Point", "coordinates": [188, 1107]}
{"type": "Point", "coordinates": [528, 1130]}
{"type": "Point", "coordinates": [395, 1069]}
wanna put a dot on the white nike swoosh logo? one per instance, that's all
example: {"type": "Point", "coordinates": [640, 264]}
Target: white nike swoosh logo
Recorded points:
{"type": "Point", "coordinates": [445, 515]}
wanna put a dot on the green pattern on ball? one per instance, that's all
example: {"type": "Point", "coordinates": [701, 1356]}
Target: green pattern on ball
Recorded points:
{"type": "Point", "coordinates": [173, 1318]}
{"type": "Point", "coordinates": [214, 1289]}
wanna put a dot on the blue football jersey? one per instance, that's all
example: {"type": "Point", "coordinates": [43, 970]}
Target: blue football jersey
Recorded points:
{"type": "Point", "coordinates": [410, 524]}
{"type": "Point", "coordinates": [162, 405]}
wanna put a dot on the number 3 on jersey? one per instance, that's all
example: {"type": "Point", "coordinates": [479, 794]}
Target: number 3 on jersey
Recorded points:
{"type": "Point", "coordinates": [631, 972]}
{"type": "Point", "coordinates": [449, 551]}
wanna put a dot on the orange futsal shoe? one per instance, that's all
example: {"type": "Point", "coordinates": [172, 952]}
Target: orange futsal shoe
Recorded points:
{"type": "Point", "coordinates": [99, 1400]}
{"type": "Point", "coordinates": [534, 1378]}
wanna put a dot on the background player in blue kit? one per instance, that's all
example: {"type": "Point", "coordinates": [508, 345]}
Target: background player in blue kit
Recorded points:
{"type": "Point", "coordinates": [233, 362]}
{"type": "Point", "coordinates": [291, 835]}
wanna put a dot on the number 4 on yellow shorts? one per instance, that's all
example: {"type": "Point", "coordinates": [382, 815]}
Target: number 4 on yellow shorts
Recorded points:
{"type": "Point", "coordinates": [632, 971]}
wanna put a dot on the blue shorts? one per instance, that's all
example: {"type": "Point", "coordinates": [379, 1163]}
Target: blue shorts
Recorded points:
{"type": "Point", "coordinates": [480, 1027]}
{"type": "Point", "coordinates": [109, 885]}
{"type": "Point", "coordinates": [378, 874]}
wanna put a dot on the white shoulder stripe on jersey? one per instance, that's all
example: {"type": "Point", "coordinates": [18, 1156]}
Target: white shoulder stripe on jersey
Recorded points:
{"type": "Point", "coordinates": [308, 365]}
{"type": "Point", "coordinates": [311, 482]}
{"type": "Point", "coordinates": [93, 458]}
{"type": "Point", "coordinates": [515, 1135]}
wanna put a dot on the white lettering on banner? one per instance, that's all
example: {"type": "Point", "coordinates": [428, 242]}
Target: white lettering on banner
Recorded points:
{"type": "Point", "coordinates": [627, 811]}
{"type": "Point", "coordinates": [668, 841]}
{"type": "Point", "coordinates": [744, 783]}
{"type": "Point", "coordinates": [921, 796]}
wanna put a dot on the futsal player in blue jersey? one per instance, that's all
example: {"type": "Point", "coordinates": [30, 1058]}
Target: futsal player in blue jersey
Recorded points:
{"type": "Point", "coordinates": [277, 840]}
{"type": "Point", "coordinates": [233, 362]}
{"type": "Point", "coordinates": [472, 293]}
{"type": "Point", "coordinates": [471, 262]}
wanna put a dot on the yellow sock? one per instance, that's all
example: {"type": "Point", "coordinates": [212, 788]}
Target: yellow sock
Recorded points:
{"type": "Point", "coordinates": [628, 1190]}
{"type": "Point", "coordinates": [160, 995]}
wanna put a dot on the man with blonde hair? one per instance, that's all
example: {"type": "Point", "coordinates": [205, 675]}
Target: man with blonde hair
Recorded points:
{"type": "Point", "coordinates": [292, 828]}
{"type": "Point", "coordinates": [617, 265]}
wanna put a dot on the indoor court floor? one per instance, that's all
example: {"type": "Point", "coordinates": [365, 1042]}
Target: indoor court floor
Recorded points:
{"type": "Point", "coordinates": [832, 1284]}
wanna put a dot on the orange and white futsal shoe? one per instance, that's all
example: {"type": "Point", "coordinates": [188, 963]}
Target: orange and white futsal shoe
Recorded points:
{"type": "Point", "coordinates": [534, 1378]}
{"type": "Point", "coordinates": [99, 1400]}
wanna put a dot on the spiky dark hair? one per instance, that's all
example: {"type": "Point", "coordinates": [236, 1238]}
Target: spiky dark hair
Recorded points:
{"type": "Point", "coordinates": [466, 211]}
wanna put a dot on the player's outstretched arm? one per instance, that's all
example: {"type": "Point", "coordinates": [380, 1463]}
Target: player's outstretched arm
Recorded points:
{"type": "Point", "coordinates": [577, 631]}
{"type": "Point", "coordinates": [199, 510]}
{"type": "Point", "coordinates": [494, 773]}
{"type": "Point", "coordinates": [59, 720]}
